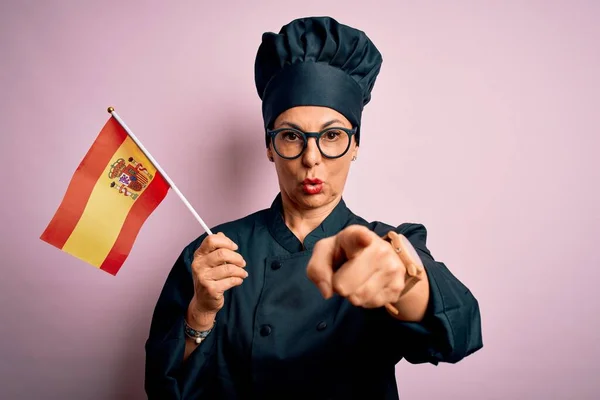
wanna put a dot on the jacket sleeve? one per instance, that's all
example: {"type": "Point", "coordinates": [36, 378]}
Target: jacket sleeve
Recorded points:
{"type": "Point", "coordinates": [451, 328]}
{"type": "Point", "coordinates": [167, 376]}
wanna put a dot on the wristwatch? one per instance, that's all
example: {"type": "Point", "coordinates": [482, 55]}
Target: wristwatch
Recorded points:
{"type": "Point", "coordinates": [409, 257]}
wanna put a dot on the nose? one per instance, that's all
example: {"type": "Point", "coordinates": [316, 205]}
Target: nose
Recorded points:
{"type": "Point", "coordinates": [312, 155]}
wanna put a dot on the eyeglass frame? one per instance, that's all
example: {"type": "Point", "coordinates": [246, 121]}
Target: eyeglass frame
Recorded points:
{"type": "Point", "coordinates": [307, 135]}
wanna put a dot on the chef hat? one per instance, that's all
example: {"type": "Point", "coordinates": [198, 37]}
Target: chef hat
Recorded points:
{"type": "Point", "coordinates": [316, 61]}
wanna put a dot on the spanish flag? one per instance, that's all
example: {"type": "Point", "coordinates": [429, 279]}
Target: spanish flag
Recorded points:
{"type": "Point", "coordinates": [110, 196]}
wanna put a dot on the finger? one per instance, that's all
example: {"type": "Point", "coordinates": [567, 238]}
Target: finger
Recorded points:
{"type": "Point", "coordinates": [320, 266]}
{"type": "Point", "coordinates": [223, 285]}
{"type": "Point", "coordinates": [376, 301]}
{"type": "Point", "coordinates": [225, 271]}
{"type": "Point", "coordinates": [356, 271]}
{"type": "Point", "coordinates": [379, 300]}
{"type": "Point", "coordinates": [354, 239]}
{"type": "Point", "coordinates": [351, 275]}
{"type": "Point", "coordinates": [384, 286]}
{"type": "Point", "coordinates": [225, 256]}
{"type": "Point", "coordinates": [213, 242]}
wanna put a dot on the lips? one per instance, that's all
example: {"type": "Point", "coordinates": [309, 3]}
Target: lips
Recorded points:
{"type": "Point", "coordinates": [312, 186]}
{"type": "Point", "coordinates": [314, 181]}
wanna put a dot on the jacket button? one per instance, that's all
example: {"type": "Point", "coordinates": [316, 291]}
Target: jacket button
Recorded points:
{"type": "Point", "coordinates": [275, 265]}
{"type": "Point", "coordinates": [322, 325]}
{"type": "Point", "coordinates": [265, 330]}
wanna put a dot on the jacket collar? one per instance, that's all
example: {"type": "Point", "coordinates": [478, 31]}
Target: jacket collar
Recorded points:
{"type": "Point", "coordinates": [331, 225]}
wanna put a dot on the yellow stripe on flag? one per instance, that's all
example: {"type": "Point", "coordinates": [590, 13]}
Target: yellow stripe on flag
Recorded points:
{"type": "Point", "coordinates": [106, 210]}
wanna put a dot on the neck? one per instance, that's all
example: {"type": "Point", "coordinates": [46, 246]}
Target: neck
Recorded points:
{"type": "Point", "coordinates": [303, 221]}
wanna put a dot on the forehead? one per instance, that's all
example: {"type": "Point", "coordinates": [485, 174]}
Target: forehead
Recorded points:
{"type": "Point", "coordinates": [311, 117]}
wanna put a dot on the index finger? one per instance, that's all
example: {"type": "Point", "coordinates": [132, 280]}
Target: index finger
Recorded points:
{"type": "Point", "coordinates": [353, 239]}
{"type": "Point", "coordinates": [321, 264]}
{"type": "Point", "coordinates": [214, 242]}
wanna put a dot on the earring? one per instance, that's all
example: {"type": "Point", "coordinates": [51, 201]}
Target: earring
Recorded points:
{"type": "Point", "coordinates": [354, 158]}
{"type": "Point", "coordinates": [271, 159]}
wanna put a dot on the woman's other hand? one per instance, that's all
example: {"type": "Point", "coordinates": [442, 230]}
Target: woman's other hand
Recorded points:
{"type": "Point", "coordinates": [216, 268]}
{"type": "Point", "coordinates": [362, 267]}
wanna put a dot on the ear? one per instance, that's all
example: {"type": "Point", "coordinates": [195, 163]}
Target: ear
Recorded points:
{"type": "Point", "coordinates": [355, 152]}
{"type": "Point", "coordinates": [270, 154]}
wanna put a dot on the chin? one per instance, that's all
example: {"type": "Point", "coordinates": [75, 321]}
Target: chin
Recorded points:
{"type": "Point", "coordinates": [313, 200]}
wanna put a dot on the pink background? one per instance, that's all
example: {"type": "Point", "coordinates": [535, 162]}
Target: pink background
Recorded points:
{"type": "Point", "coordinates": [483, 126]}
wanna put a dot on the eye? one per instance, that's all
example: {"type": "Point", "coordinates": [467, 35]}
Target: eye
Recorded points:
{"type": "Point", "coordinates": [333, 135]}
{"type": "Point", "coordinates": [289, 136]}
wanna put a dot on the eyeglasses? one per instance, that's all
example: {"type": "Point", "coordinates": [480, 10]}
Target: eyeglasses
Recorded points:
{"type": "Point", "coordinates": [290, 143]}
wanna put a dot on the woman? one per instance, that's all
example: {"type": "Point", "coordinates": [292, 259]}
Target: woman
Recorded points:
{"type": "Point", "coordinates": [305, 299]}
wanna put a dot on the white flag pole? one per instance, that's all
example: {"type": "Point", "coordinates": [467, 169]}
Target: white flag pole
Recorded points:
{"type": "Point", "coordinates": [112, 111]}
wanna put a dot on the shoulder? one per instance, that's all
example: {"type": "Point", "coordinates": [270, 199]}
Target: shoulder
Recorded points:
{"type": "Point", "coordinates": [242, 226]}
{"type": "Point", "coordinates": [233, 229]}
{"type": "Point", "coordinates": [415, 232]}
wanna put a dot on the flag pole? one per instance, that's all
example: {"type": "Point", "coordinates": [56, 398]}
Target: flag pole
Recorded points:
{"type": "Point", "coordinates": [112, 112]}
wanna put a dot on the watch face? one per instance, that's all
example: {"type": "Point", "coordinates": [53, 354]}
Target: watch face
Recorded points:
{"type": "Point", "coordinates": [410, 258]}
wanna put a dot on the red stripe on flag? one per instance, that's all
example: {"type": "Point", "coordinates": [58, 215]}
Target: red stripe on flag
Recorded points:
{"type": "Point", "coordinates": [139, 212]}
{"type": "Point", "coordinates": [82, 183]}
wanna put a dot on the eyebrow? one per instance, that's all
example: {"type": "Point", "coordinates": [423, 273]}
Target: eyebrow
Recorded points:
{"type": "Point", "coordinates": [325, 125]}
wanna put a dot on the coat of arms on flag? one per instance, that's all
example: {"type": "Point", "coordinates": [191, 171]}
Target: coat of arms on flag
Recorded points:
{"type": "Point", "coordinates": [129, 177]}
